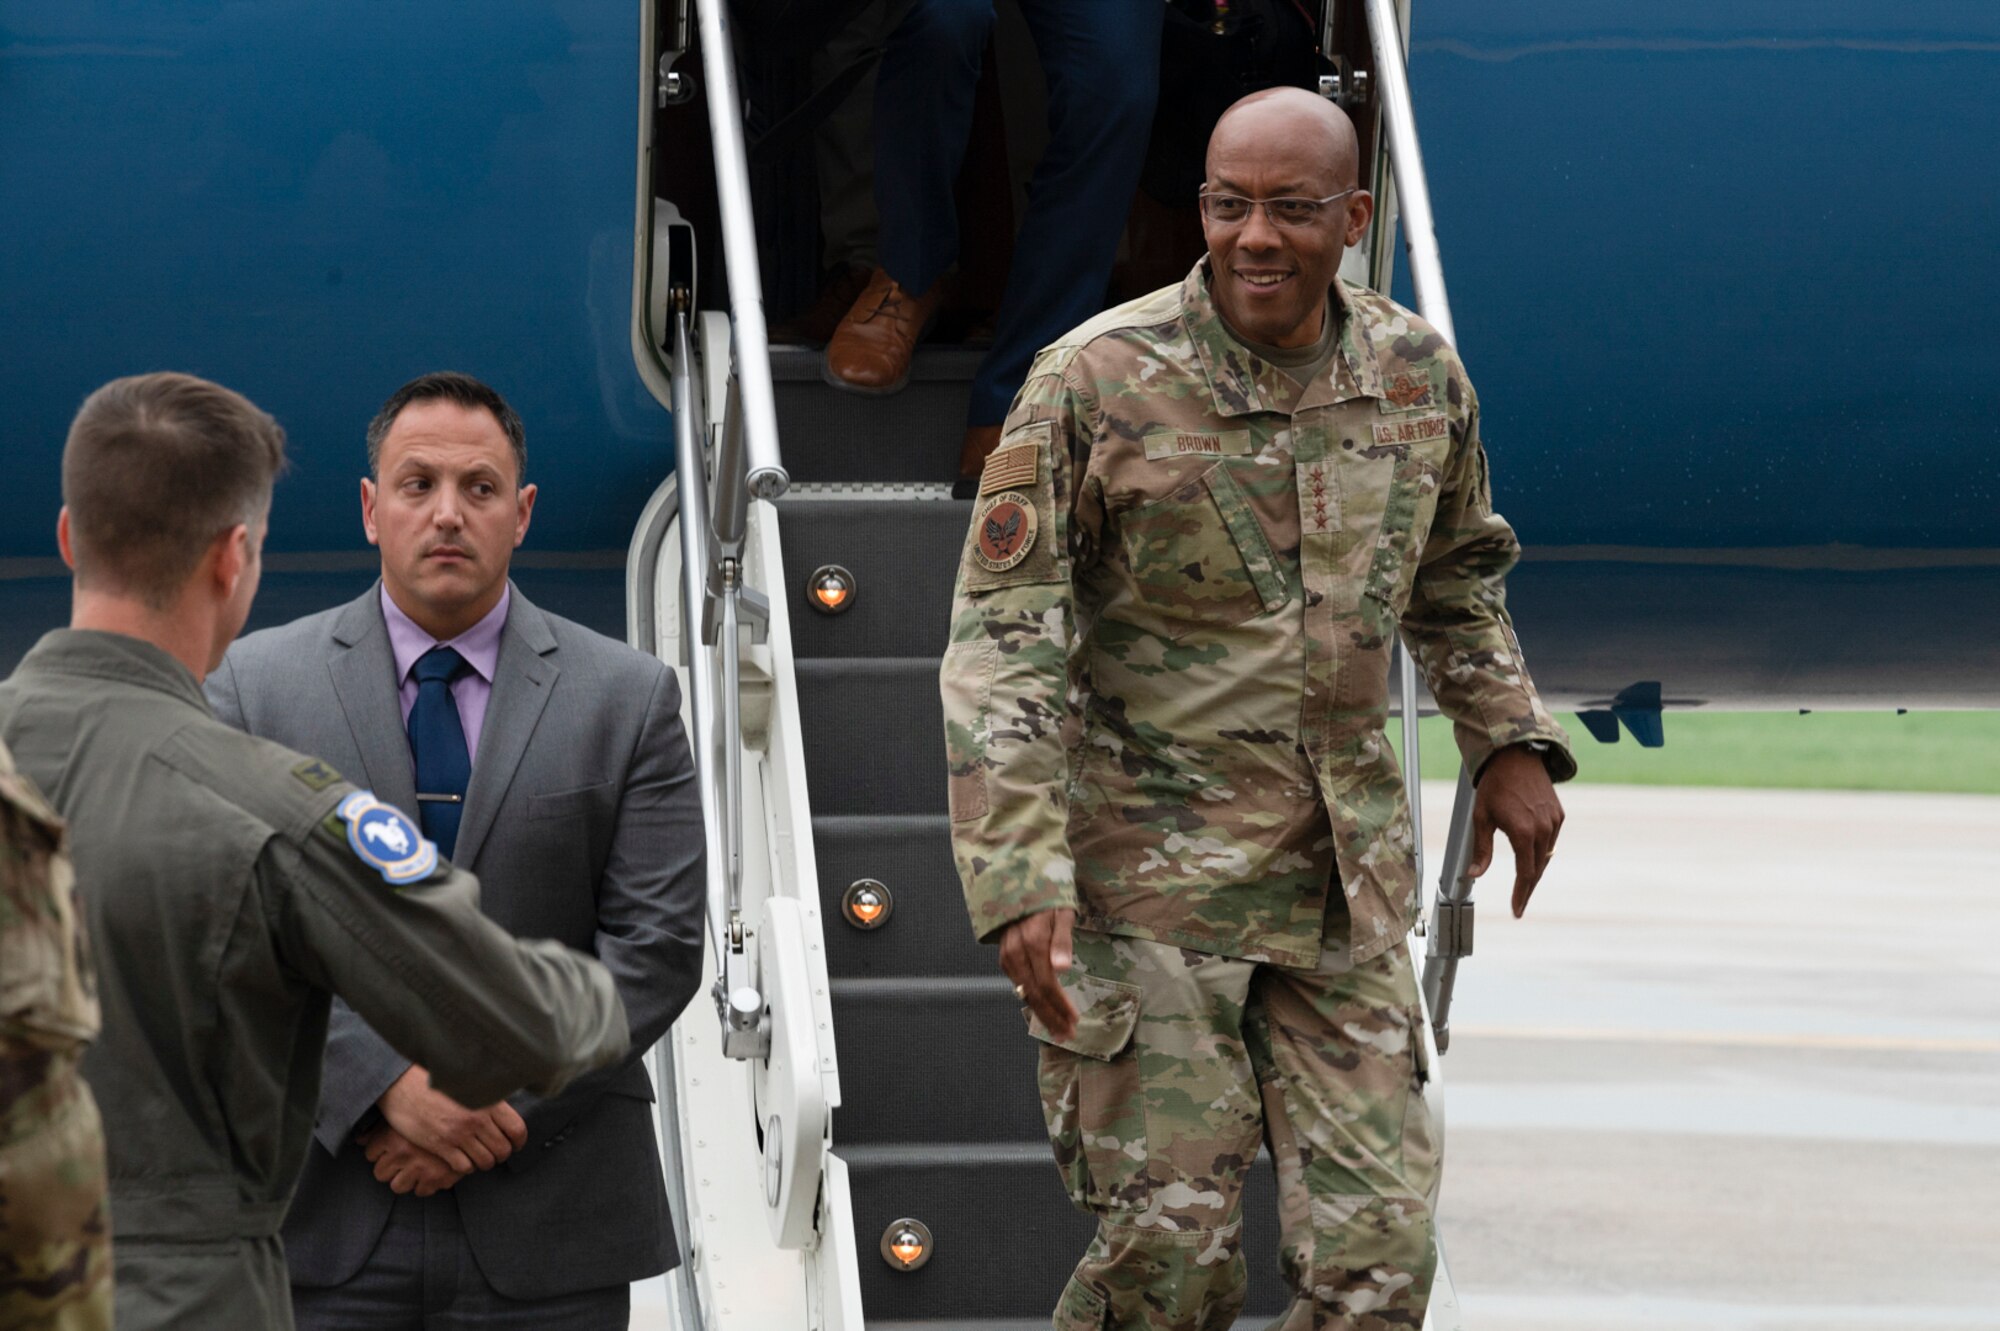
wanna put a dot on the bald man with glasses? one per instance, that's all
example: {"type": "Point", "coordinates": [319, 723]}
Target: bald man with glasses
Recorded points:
{"type": "Point", "coordinates": [1174, 804]}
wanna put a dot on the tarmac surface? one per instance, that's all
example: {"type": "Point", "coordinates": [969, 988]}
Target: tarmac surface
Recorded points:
{"type": "Point", "coordinates": [1737, 1070]}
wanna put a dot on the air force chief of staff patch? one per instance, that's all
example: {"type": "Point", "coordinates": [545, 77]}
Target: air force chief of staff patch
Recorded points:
{"type": "Point", "coordinates": [386, 839]}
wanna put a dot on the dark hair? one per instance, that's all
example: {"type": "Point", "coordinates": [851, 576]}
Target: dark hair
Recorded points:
{"type": "Point", "coordinates": [448, 386]}
{"type": "Point", "coordinates": [155, 468]}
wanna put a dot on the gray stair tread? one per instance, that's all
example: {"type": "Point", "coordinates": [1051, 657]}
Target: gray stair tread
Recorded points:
{"type": "Point", "coordinates": [870, 666]}
{"type": "Point", "coordinates": [861, 1155]}
{"type": "Point", "coordinates": [902, 988]}
{"type": "Point", "coordinates": [961, 1324]}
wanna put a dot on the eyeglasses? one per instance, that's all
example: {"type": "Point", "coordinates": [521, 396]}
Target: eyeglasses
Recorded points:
{"type": "Point", "coordinates": [1232, 209]}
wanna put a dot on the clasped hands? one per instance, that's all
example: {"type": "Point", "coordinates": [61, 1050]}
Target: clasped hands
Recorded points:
{"type": "Point", "coordinates": [428, 1141]}
{"type": "Point", "coordinates": [1515, 796]}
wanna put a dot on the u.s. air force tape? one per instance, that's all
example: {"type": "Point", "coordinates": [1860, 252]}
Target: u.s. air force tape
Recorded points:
{"type": "Point", "coordinates": [387, 840]}
{"type": "Point", "coordinates": [1004, 531]}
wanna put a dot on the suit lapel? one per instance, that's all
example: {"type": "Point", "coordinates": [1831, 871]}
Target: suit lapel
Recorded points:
{"type": "Point", "coordinates": [364, 680]}
{"type": "Point", "coordinates": [523, 679]}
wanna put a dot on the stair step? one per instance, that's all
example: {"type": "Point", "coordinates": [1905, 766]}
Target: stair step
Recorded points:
{"type": "Point", "coordinates": [834, 435]}
{"type": "Point", "coordinates": [1006, 1237]}
{"type": "Point", "coordinates": [904, 557]}
{"type": "Point", "coordinates": [874, 734]}
{"type": "Point", "coordinates": [910, 854]}
{"type": "Point", "coordinates": [948, 1059]}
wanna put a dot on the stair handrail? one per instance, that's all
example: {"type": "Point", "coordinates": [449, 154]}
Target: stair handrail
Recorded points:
{"type": "Point", "coordinates": [716, 602]}
{"type": "Point", "coordinates": [765, 476]}
{"type": "Point", "coordinates": [1448, 937]}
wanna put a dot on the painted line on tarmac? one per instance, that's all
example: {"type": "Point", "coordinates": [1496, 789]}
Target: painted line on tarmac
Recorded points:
{"type": "Point", "coordinates": [1916, 1044]}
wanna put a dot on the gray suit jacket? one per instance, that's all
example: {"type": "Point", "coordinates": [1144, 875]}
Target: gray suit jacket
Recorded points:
{"type": "Point", "coordinates": [583, 823]}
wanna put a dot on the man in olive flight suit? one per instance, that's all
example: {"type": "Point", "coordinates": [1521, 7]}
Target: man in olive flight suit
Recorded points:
{"type": "Point", "coordinates": [55, 1239]}
{"type": "Point", "coordinates": [1165, 701]}
{"type": "Point", "coordinates": [231, 886]}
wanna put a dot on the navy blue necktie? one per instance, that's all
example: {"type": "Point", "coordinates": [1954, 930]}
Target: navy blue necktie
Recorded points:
{"type": "Point", "coordinates": [437, 742]}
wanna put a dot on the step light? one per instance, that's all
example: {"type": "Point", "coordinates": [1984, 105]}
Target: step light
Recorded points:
{"type": "Point", "coordinates": [830, 589]}
{"type": "Point", "coordinates": [906, 1244]}
{"type": "Point", "coordinates": [867, 904]}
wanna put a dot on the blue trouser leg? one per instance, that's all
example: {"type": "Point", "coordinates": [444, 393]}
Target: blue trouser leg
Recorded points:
{"type": "Point", "coordinates": [923, 118]}
{"type": "Point", "coordinates": [1102, 63]}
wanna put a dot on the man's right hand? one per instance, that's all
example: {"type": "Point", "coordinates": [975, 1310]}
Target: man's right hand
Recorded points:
{"type": "Point", "coordinates": [465, 1139]}
{"type": "Point", "coordinates": [1035, 951]}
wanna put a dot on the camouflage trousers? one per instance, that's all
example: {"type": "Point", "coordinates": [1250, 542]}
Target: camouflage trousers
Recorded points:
{"type": "Point", "coordinates": [1182, 1063]}
{"type": "Point", "coordinates": [55, 1239]}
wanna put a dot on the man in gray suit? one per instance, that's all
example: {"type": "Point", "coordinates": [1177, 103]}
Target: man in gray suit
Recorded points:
{"type": "Point", "coordinates": [550, 760]}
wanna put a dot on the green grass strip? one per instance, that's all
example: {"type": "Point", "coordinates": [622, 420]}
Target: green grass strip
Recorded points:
{"type": "Point", "coordinates": [1930, 751]}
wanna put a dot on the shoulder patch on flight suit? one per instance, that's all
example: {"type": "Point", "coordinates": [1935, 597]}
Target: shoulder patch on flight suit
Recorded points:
{"type": "Point", "coordinates": [386, 840]}
{"type": "Point", "coordinates": [315, 775]}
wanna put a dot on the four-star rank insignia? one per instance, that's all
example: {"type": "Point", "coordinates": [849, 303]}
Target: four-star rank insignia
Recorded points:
{"type": "Point", "coordinates": [1004, 531]}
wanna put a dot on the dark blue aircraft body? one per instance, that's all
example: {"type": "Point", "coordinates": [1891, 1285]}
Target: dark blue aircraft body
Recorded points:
{"type": "Point", "coordinates": [1724, 274]}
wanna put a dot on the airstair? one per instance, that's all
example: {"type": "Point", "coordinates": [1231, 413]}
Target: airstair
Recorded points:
{"type": "Point", "coordinates": [851, 1129]}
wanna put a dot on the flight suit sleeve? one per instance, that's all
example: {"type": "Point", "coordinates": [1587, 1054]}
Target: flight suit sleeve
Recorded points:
{"type": "Point", "coordinates": [486, 1013]}
{"type": "Point", "coordinates": [1457, 620]}
{"type": "Point", "coordinates": [1011, 679]}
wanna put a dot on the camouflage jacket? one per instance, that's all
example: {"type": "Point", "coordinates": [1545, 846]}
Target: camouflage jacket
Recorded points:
{"type": "Point", "coordinates": [1167, 683]}
{"type": "Point", "coordinates": [55, 1242]}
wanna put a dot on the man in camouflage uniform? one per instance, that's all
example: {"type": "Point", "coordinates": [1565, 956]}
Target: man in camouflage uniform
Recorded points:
{"type": "Point", "coordinates": [1165, 700]}
{"type": "Point", "coordinates": [55, 1242]}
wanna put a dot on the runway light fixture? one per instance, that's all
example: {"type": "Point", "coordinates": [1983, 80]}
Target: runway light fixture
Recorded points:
{"type": "Point", "coordinates": [867, 903]}
{"type": "Point", "coordinates": [830, 589]}
{"type": "Point", "coordinates": [906, 1244]}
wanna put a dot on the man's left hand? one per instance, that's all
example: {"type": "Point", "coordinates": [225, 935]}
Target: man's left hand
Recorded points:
{"type": "Point", "coordinates": [405, 1166]}
{"type": "Point", "coordinates": [1516, 796]}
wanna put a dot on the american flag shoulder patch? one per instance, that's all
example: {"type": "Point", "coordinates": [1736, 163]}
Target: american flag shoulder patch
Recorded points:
{"type": "Point", "coordinates": [1016, 467]}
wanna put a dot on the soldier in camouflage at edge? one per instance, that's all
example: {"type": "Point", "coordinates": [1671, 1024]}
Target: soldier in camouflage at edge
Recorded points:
{"type": "Point", "coordinates": [55, 1241]}
{"type": "Point", "coordinates": [1165, 706]}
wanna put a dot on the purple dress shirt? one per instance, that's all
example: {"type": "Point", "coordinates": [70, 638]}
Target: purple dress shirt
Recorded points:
{"type": "Point", "coordinates": [479, 645]}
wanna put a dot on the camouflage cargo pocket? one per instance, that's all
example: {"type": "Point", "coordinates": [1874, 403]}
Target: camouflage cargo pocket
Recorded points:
{"type": "Point", "coordinates": [1081, 1308]}
{"type": "Point", "coordinates": [1092, 1098]}
{"type": "Point", "coordinates": [1200, 558]}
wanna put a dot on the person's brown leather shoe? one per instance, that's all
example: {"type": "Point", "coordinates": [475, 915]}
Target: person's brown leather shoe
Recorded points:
{"type": "Point", "coordinates": [870, 352]}
{"type": "Point", "coordinates": [980, 441]}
